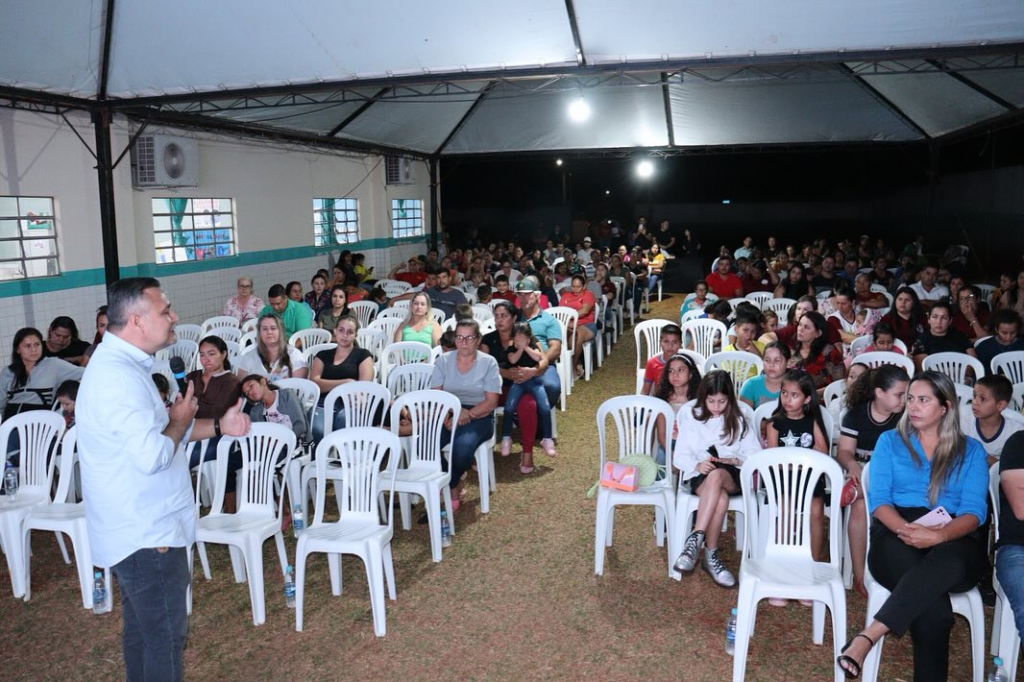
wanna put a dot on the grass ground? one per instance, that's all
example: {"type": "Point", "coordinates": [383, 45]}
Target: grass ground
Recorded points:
{"type": "Point", "coordinates": [515, 598]}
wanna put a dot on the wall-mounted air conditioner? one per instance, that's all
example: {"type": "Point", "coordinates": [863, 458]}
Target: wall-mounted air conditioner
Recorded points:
{"type": "Point", "coordinates": [165, 161]}
{"type": "Point", "coordinates": [399, 170]}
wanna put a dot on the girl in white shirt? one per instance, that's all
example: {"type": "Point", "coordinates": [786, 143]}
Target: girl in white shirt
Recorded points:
{"type": "Point", "coordinates": [714, 440]}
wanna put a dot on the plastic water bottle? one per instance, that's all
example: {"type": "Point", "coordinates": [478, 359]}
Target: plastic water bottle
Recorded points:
{"type": "Point", "coordinates": [298, 520]}
{"type": "Point", "coordinates": [10, 482]}
{"type": "Point", "coordinates": [996, 673]}
{"type": "Point", "coordinates": [99, 593]}
{"type": "Point", "coordinates": [446, 530]}
{"type": "Point", "coordinates": [730, 633]}
{"type": "Point", "coordinates": [289, 587]}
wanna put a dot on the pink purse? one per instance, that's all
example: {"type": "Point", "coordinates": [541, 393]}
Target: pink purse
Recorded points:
{"type": "Point", "coordinates": [619, 477]}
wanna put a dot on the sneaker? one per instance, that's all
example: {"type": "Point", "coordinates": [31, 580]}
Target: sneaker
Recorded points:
{"type": "Point", "coordinates": [687, 561]}
{"type": "Point", "coordinates": [506, 447]}
{"type": "Point", "coordinates": [712, 563]}
{"type": "Point", "coordinates": [548, 446]}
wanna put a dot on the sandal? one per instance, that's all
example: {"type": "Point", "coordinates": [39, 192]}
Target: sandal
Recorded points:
{"type": "Point", "coordinates": [850, 667]}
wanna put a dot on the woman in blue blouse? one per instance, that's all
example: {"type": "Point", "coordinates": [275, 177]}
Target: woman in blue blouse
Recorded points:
{"type": "Point", "coordinates": [926, 462]}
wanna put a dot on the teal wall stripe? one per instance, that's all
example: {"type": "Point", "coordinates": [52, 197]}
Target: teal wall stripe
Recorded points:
{"type": "Point", "coordinates": [76, 279]}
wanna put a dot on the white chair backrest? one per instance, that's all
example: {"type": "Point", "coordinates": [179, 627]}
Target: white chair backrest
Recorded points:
{"type": "Point", "coordinates": [232, 334]}
{"type": "Point", "coordinates": [877, 358]}
{"type": "Point", "coordinates": [563, 285]}
{"type": "Point", "coordinates": [364, 454]}
{"type": "Point", "coordinates": [1010, 365]}
{"type": "Point", "coordinates": [763, 413]}
{"type": "Point", "coordinates": [986, 290]}
{"type": "Point", "coordinates": [564, 316]}
{"type": "Point", "coordinates": [39, 435]}
{"type": "Point", "coordinates": [635, 418]}
{"type": "Point", "coordinates": [408, 378]}
{"type": "Point", "coordinates": [993, 495]}
{"type": "Point", "coordinates": [364, 403]}
{"type": "Point", "coordinates": [694, 314]}
{"type": "Point", "coordinates": [309, 353]}
{"type": "Point", "coordinates": [435, 353]}
{"type": "Point", "coordinates": [736, 301]}
{"type": "Point", "coordinates": [248, 339]}
{"type": "Point", "coordinates": [964, 394]}
{"type": "Point", "coordinates": [834, 391]}
{"type": "Point", "coordinates": [954, 365]}
{"type": "Point", "coordinates": [307, 391]}
{"type": "Point", "coordinates": [184, 349]}
{"type": "Point", "coordinates": [878, 288]}
{"type": "Point", "coordinates": [305, 338]}
{"type": "Point", "coordinates": [219, 321]}
{"type": "Point", "coordinates": [400, 305]}
{"type": "Point", "coordinates": [902, 346]}
{"type": "Point", "coordinates": [487, 326]}
{"type": "Point", "coordinates": [704, 334]}
{"type": "Point", "coordinates": [439, 315]}
{"type": "Point", "coordinates": [789, 476]}
{"type": "Point", "coordinates": [471, 297]}
{"type": "Point", "coordinates": [760, 298]}
{"type": "Point", "coordinates": [372, 339]}
{"type": "Point", "coordinates": [647, 335]}
{"type": "Point", "coordinates": [388, 325]}
{"type": "Point", "coordinates": [264, 449]}
{"type": "Point", "coordinates": [449, 324]}
{"type": "Point", "coordinates": [780, 306]}
{"type": "Point", "coordinates": [392, 314]}
{"type": "Point", "coordinates": [482, 311]}
{"type": "Point", "coordinates": [161, 367]}
{"type": "Point", "coordinates": [859, 344]}
{"type": "Point", "coordinates": [188, 332]}
{"type": "Point", "coordinates": [740, 365]}
{"type": "Point", "coordinates": [394, 287]}
{"type": "Point", "coordinates": [978, 341]}
{"type": "Point", "coordinates": [365, 311]}
{"type": "Point", "coordinates": [427, 411]}
{"type": "Point", "coordinates": [402, 353]}
{"type": "Point", "coordinates": [1018, 397]}
{"type": "Point", "coordinates": [68, 457]}
{"type": "Point", "coordinates": [250, 325]}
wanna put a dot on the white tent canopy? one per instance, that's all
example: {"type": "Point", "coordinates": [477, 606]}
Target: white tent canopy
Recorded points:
{"type": "Point", "coordinates": [465, 77]}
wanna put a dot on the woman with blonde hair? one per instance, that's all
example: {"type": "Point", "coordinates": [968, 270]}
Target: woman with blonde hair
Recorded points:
{"type": "Point", "coordinates": [272, 356]}
{"type": "Point", "coordinates": [420, 325]}
{"type": "Point", "coordinates": [924, 467]}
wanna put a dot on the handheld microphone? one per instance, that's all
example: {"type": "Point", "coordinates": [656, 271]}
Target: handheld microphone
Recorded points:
{"type": "Point", "coordinates": [178, 370]}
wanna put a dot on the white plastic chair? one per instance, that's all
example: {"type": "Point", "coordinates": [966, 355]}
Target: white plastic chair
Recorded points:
{"type": "Point", "coordinates": [760, 298]}
{"type": "Point", "coordinates": [482, 312]}
{"type": "Point", "coordinates": [734, 302]}
{"type": "Point", "coordinates": [388, 325]}
{"type": "Point", "coordinates": [967, 604]}
{"type": "Point", "coordinates": [312, 351]}
{"type": "Point", "coordinates": [567, 318]}
{"type": "Point", "coordinates": [372, 339]}
{"type": "Point", "coordinates": [188, 332]}
{"type": "Point", "coordinates": [1010, 365]}
{"type": "Point", "coordinates": [304, 338]}
{"type": "Point", "coordinates": [439, 315]}
{"type": "Point", "coordinates": [877, 358]}
{"type": "Point", "coordinates": [954, 365]}
{"type": "Point", "coordinates": [1005, 637]}
{"type": "Point", "coordinates": [162, 367]}
{"type": "Point", "coordinates": [422, 473]}
{"type": "Point", "coordinates": [185, 349]}
{"type": "Point", "coordinates": [250, 325]}
{"type": "Point", "coordinates": [393, 313]}
{"type": "Point", "coordinates": [964, 395]}
{"type": "Point", "coordinates": [449, 324]}
{"type": "Point", "coordinates": [218, 322]}
{"type": "Point", "coordinates": [258, 517]}
{"type": "Point", "coordinates": [59, 517]}
{"type": "Point", "coordinates": [777, 558]}
{"type": "Point", "coordinates": [39, 434]}
{"type": "Point", "coordinates": [704, 335]}
{"type": "Point", "coordinates": [740, 365]}
{"type": "Point", "coordinates": [408, 378]}
{"type": "Point", "coordinates": [779, 306]}
{"type": "Point", "coordinates": [625, 299]}
{"type": "Point", "coordinates": [695, 314]}
{"type": "Point", "coordinates": [365, 311]}
{"type": "Point", "coordinates": [399, 305]}
{"type": "Point", "coordinates": [859, 344]}
{"type": "Point", "coordinates": [986, 292]}
{"type": "Point", "coordinates": [306, 390]}
{"type": "Point", "coordinates": [635, 418]}
{"type": "Point", "coordinates": [402, 353]}
{"type": "Point", "coordinates": [394, 287]}
{"type": "Point", "coordinates": [647, 336]}
{"type": "Point", "coordinates": [1018, 397]}
{"type": "Point", "coordinates": [361, 454]}
{"type": "Point", "coordinates": [248, 339]}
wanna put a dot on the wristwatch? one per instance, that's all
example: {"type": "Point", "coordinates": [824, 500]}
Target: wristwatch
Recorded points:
{"type": "Point", "coordinates": [216, 427]}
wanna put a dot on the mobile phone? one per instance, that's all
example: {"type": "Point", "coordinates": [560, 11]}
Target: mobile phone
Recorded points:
{"type": "Point", "coordinates": [936, 518]}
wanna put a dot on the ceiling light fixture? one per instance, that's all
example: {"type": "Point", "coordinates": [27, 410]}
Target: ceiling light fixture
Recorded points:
{"type": "Point", "coordinates": [579, 110]}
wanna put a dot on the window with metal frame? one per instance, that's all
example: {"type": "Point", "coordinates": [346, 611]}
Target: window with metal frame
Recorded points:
{"type": "Point", "coordinates": [335, 221]}
{"type": "Point", "coordinates": [190, 229]}
{"type": "Point", "coordinates": [406, 218]}
{"type": "Point", "coordinates": [28, 238]}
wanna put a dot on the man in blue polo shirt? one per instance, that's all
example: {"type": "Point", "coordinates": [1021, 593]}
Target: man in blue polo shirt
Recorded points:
{"type": "Point", "coordinates": [548, 332]}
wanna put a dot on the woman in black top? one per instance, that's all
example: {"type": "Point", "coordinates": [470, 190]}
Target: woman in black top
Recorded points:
{"type": "Point", "coordinates": [347, 362]}
{"type": "Point", "coordinates": [877, 401]}
{"type": "Point", "coordinates": [795, 284]}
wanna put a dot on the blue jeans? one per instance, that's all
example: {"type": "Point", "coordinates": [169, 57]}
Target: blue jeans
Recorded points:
{"type": "Point", "coordinates": [317, 429]}
{"type": "Point", "coordinates": [1010, 572]}
{"type": "Point", "coordinates": [467, 439]}
{"type": "Point", "coordinates": [153, 595]}
{"type": "Point", "coordinates": [210, 454]}
{"type": "Point", "coordinates": [515, 393]}
{"type": "Point", "coordinates": [652, 282]}
{"type": "Point", "coordinates": [552, 384]}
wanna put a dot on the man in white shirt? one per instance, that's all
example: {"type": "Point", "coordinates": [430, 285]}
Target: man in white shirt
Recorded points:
{"type": "Point", "coordinates": [583, 255]}
{"type": "Point", "coordinates": [745, 251]}
{"type": "Point", "coordinates": [928, 289]}
{"type": "Point", "coordinates": [139, 508]}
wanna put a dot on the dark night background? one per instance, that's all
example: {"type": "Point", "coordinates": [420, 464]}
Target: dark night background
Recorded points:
{"type": "Point", "coordinates": [793, 193]}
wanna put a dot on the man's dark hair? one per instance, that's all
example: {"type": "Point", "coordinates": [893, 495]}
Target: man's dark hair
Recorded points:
{"type": "Point", "coordinates": [277, 291]}
{"type": "Point", "coordinates": [123, 295]}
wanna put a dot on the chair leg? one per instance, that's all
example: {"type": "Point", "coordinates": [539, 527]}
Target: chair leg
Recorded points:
{"type": "Point", "coordinates": [238, 566]}
{"type": "Point", "coordinates": [63, 547]}
{"type": "Point", "coordinates": [282, 554]}
{"type": "Point", "coordinates": [670, 530]}
{"type": "Point", "coordinates": [818, 623]}
{"type": "Point", "coordinates": [257, 592]}
{"type": "Point", "coordinates": [977, 624]}
{"type": "Point", "coordinates": [600, 533]}
{"type": "Point", "coordinates": [15, 548]}
{"type": "Point", "coordinates": [28, 565]}
{"type": "Point", "coordinates": [375, 576]}
{"type": "Point", "coordinates": [433, 505]}
{"type": "Point", "coordinates": [405, 507]}
{"type": "Point", "coordinates": [483, 462]}
{"type": "Point", "coordinates": [659, 527]}
{"type": "Point", "coordinates": [334, 568]}
{"type": "Point", "coordinates": [83, 564]}
{"type": "Point", "coordinates": [838, 608]}
{"type": "Point", "coordinates": [389, 571]}
{"type": "Point", "coordinates": [446, 492]}
{"type": "Point", "coordinates": [300, 583]}
{"type": "Point", "coordinates": [745, 610]}
{"type": "Point", "coordinates": [203, 559]}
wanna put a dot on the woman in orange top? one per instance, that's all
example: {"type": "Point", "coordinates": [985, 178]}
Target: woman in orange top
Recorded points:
{"type": "Point", "coordinates": [580, 299]}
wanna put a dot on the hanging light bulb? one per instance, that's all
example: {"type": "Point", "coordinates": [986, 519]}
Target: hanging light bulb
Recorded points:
{"type": "Point", "coordinates": [645, 169]}
{"type": "Point", "coordinates": [579, 110]}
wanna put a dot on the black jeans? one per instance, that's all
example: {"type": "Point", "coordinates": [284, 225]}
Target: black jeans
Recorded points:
{"type": "Point", "coordinates": [153, 595]}
{"type": "Point", "coordinates": [920, 580]}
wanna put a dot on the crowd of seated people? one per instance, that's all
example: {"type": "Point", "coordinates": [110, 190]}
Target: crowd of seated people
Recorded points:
{"type": "Point", "coordinates": [932, 427]}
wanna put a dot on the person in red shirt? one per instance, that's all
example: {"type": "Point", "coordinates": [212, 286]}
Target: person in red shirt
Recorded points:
{"type": "Point", "coordinates": [969, 317]}
{"type": "Point", "coordinates": [671, 340]}
{"type": "Point", "coordinates": [413, 272]}
{"type": "Point", "coordinates": [723, 283]}
{"type": "Point", "coordinates": [502, 290]}
{"type": "Point", "coordinates": [580, 299]}
{"type": "Point", "coordinates": [758, 277]}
